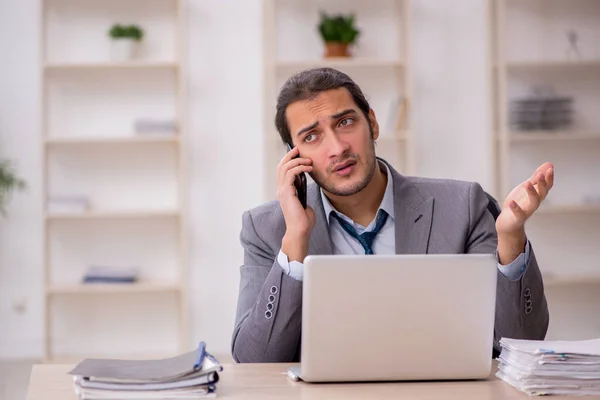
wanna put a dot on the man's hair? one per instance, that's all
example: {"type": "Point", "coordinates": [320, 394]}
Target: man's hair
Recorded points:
{"type": "Point", "coordinates": [307, 85]}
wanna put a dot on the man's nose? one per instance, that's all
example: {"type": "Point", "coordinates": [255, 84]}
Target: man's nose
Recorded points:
{"type": "Point", "coordinates": [336, 146]}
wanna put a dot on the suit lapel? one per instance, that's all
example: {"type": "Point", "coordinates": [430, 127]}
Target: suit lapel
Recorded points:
{"type": "Point", "coordinates": [320, 241]}
{"type": "Point", "coordinates": [413, 217]}
{"type": "Point", "coordinates": [413, 226]}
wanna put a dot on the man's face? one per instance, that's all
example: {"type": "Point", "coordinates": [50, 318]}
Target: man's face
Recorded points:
{"type": "Point", "coordinates": [332, 131]}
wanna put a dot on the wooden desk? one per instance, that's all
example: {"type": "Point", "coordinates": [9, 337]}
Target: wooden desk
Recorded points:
{"type": "Point", "coordinates": [268, 381]}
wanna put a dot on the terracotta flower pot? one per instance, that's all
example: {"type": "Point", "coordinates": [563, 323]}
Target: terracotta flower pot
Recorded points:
{"type": "Point", "coordinates": [336, 49]}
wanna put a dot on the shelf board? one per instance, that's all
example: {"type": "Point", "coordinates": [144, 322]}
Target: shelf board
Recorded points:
{"type": "Point", "coordinates": [126, 140]}
{"type": "Point", "coordinates": [569, 209]}
{"type": "Point", "coordinates": [111, 65]}
{"type": "Point", "coordinates": [552, 136]}
{"type": "Point", "coordinates": [537, 65]}
{"type": "Point", "coordinates": [340, 63]}
{"type": "Point", "coordinates": [112, 215]}
{"type": "Point", "coordinates": [94, 288]}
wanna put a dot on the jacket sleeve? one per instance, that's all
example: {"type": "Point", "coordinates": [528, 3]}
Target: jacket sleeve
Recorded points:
{"type": "Point", "coordinates": [269, 310]}
{"type": "Point", "coordinates": [521, 307]}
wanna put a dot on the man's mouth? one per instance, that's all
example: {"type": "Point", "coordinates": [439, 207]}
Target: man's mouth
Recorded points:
{"type": "Point", "coordinates": [344, 168]}
{"type": "Point", "coordinates": [344, 165]}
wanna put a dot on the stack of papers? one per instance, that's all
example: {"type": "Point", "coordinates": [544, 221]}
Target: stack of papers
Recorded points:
{"type": "Point", "coordinates": [188, 376]}
{"type": "Point", "coordinates": [546, 367]}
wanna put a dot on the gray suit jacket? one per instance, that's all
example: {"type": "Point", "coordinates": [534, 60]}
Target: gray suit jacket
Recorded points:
{"type": "Point", "coordinates": [455, 220]}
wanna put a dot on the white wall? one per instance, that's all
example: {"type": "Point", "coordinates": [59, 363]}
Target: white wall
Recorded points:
{"type": "Point", "coordinates": [451, 120]}
{"type": "Point", "coordinates": [226, 129]}
{"type": "Point", "coordinates": [20, 231]}
{"type": "Point", "coordinates": [451, 92]}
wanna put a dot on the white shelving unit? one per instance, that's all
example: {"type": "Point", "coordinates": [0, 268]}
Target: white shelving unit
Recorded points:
{"type": "Point", "coordinates": [380, 67]}
{"type": "Point", "coordinates": [135, 183]}
{"type": "Point", "coordinates": [531, 50]}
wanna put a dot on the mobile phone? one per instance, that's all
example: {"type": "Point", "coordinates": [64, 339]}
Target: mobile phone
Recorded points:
{"type": "Point", "coordinates": [300, 183]}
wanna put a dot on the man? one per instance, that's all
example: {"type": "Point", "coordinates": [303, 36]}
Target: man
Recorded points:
{"type": "Point", "coordinates": [327, 119]}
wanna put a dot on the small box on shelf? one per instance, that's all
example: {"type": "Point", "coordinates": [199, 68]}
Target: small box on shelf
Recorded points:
{"type": "Point", "coordinates": [65, 204]}
{"type": "Point", "coordinates": [155, 126]}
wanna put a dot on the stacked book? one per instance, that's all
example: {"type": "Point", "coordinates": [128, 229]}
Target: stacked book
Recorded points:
{"type": "Point", "coordinates": [541, 113]}
{"type": "Point", "coordinates": [188, 376]}
{"type": "Point", "coordinates": [107, 274]}
{"type": "Point", "coordinates": [545, 367]}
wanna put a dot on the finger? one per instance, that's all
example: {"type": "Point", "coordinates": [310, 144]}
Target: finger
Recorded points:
{"type": "Point", "coordinates": [297, 161]}
{"type": "Point", "coordinates": [291, 174]}
{"type": "Point", "coordinates": [288, 156]}
{"type": "Point", "coordinates": [542, 186]}
{"type": "Point", "coordinates": [292, 164]}
{"type": "Point", "coordinates": [517, 211]}
{"type": "Point", "coordinates": [543, 169]}
{"type": "Point", "coordinates": [532, 194]}
{"type": "Point", "coordinates": [550, 177]}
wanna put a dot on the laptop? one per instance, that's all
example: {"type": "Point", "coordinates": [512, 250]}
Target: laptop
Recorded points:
{"type": "Point", "coordinates": [397, 317]}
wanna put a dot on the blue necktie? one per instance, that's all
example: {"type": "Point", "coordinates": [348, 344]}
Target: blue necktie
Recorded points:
{"type": "Point", "coordinates": [366, 238]}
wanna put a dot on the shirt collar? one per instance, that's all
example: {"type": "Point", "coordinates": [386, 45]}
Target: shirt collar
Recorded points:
{"type": "Point", "coordinates": [387, 203]}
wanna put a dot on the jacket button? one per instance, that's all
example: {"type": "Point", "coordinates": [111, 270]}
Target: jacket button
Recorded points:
{"type": "Point", "coordinates": [269, 306]}
{"type": "Point", "coordinates": [527, 292]}
{"type": "Point", "coordinates": [271, 298]}
{"type": "Point", "coordinates": [273, 289]}
{"type": "Point", "coordinates": [528, 310]}
{"type": "Point", "coordinates": [528, 303]}
{"type": "Point", "coordinates": [268, 314]}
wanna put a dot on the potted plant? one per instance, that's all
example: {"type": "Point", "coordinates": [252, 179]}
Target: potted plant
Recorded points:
{"type": "Point", "coordinates": [125, 41]}
{"type": "Point", "coordinates": [8, 183]}
{"type": "Point", "coordinates": [338, 32]}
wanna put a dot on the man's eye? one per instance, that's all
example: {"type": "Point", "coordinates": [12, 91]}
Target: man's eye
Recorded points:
{"type": "Point", "coordinates": [346, 121]}
{"type": "Point", "coordinates": [310, 137]}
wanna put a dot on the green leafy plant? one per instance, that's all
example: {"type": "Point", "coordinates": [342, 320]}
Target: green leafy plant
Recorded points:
{"type": "Point", "coordinates": [8, 183]}
{"type": "Point", "coordinates": [126, 32]}
{"type": "Point", "coordinates": [338, 28]}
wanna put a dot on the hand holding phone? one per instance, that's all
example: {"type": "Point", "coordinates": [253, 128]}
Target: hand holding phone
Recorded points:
{"type": "Point", "coordinates": [300, 183]}
{"type": "Point", "coordinates": [292, 195]}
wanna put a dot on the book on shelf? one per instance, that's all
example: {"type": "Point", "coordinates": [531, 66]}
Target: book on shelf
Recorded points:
{"type": "Point", "coordinates": [110, 274]}
{"type": "Point", "coordinates": [397, 114]}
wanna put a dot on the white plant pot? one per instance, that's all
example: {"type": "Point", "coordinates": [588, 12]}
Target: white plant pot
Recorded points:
{"type": "Point", "coordinates": [124, 49]}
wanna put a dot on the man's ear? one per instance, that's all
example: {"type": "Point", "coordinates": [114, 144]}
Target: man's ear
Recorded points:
{"type": "Point", "coordinates": [374, 124]}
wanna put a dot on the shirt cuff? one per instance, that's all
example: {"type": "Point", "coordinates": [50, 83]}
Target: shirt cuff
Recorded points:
{"type": "Point", "coordinates": [294, 269]}
{"type": "Point", "coordinates": [516, 269]}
